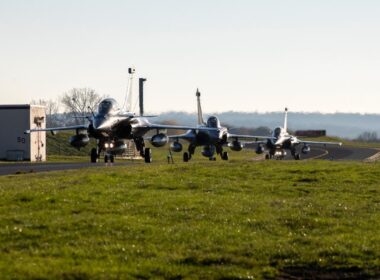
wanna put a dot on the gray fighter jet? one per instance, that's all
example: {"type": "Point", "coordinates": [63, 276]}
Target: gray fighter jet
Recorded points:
{"type": "Point", "coordinates": [281, 140]}
{"type": "Point", "coordinates": [210, 135]}
{"type": "Point", "coordinates": [112, 126]}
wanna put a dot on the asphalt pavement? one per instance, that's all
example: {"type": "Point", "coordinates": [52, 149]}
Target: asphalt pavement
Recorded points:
{"type": "Point", "coordinates": [338, 153]}
{"type": "Point", "coordinates": [328, 153]}
{"type": "Point", "coordinates": [22, 168]}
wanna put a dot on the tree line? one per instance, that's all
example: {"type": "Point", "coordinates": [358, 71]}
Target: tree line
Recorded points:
{"type": "Point", "coordinates": [70, 106]}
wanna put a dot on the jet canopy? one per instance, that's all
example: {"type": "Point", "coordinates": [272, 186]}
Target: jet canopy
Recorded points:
{"type": "Point", "coordinates": [107, 105]}
{"type": "Point", "coordinates": [277, 132]}
{"type": "Point", "coordinates": [213, 122]}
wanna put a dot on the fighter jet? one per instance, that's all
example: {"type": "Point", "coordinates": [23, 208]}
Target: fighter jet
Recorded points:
{"type": "Point", "coordinates": [281, 140]}
{"type": "Point", "coordinates": [112, 126]}
{"type": "Point", "coordinates": [210, 135]}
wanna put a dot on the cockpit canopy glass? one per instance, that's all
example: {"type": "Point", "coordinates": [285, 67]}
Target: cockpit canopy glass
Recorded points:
{"type": "Point", "coordinates": [213, 122]}
{"type": "Point", "coordinates": [106, 106]}
{"type": "Point", "coordinates": [277, 132]}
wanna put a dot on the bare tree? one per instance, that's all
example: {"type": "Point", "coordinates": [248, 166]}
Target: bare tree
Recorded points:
{"type": "Point", "coordinates": [368, 136]}
{"type": "Point", "coordinates": [81, 100]}
{"type": "Point", "coordinates": [51, 110]}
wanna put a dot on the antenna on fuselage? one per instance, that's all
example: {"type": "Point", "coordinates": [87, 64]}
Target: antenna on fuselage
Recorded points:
{"type": "Point", "coordinates": [199, 108]}
{"type": "Point", "coordinates": [128, 95]}
{"type": "Point", "coordinates": [286, 120]}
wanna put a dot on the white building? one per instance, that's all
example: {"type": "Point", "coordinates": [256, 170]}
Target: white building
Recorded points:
{"type": "Point", "coordinates": [14, 144]}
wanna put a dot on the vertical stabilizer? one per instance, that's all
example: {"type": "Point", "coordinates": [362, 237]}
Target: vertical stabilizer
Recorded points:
{"type": "Point", "coordinates": [286, 120]}
{"type": "Point", "coordinates": [128, 96]}
{"type": "Point", "coordinates": [199, 108]}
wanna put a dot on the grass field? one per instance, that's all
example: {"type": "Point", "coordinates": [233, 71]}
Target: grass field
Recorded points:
{"type": "Point", "coordinates": [207, 220]}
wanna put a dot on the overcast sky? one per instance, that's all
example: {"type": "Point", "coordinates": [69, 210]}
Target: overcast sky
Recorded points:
{"type": "Point", "coordinates": [243, 55]}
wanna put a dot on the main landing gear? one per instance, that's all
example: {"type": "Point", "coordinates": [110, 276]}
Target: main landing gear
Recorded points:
{"type": "Point", "coordinates": [296, 155]}
{"type": "Point", "coordinates": [94, 155]}
{"type": "Point", "coordinates": [187, 155]}
{"type": "Point", "coordinates": [224, 156]}
{"type": "Point", "coordinates": [219, 151]}
{"type": "Point", "coordinates": [146, 153]}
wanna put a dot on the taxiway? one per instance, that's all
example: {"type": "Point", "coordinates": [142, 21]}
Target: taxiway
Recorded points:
{"type": "Point", "coordinates": [328, 153]}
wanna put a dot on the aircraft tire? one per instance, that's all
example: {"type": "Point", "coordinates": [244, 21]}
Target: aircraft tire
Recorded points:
{"type": "Point", "coordinates": [297, 156]}
{"type": "Point", "coordinates": [267, 156]}
{"type": "Point", "coordinates": [186, 157]}
{"type": "Point", "coordinates": [94, 155]}
{"type": "Point", "coordinates": [112, 158]}
{"type": "Point", "coordinates": [148, 155]}
{"type": "Point", "coordinates": [225, 156]}
{"type": "Point", "coordinates": [105, 158]}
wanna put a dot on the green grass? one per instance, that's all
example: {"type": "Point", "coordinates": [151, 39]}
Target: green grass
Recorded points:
{"type": "Point", "coordinates": [206, 220]}
{"type": "Point", "coordinates": [59, 145]}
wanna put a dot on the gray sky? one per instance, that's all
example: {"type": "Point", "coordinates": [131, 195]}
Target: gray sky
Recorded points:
{"type": "Point", "coordinates": [243, 55]}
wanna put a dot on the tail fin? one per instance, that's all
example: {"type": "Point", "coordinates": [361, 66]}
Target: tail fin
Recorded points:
{"type": "Point", "coordinates": [200, 115]}
{"type": "Point", "coordinates": [286, 120]}
{"type": "Point", "coordinates": [128, 94]}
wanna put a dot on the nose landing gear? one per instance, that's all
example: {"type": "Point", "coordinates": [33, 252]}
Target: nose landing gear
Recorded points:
{"type": "Point", "coordinates": [109, 158]}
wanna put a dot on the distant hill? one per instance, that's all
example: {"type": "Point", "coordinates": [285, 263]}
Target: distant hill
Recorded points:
{"type": "Point", "coordinates": [344, 125]}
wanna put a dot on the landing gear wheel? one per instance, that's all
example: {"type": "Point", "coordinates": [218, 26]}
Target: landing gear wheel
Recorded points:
{"type": "Point", "coordinates": [225, 156]}
{"type": "Point", "coordinates": [94, 155]}
{"type": "Point", "coordinates": [267, 156]}
{"type": "Point", "coordinates": [297, 156]}
{"type": "Point", "coordinates": [148, 155]}
{"type": "Point", "coordinates": [112, 158]}
{"type": "Point", "coordinates": [186, 157]}
{"type": "Point", "coordinates": [106, 158]}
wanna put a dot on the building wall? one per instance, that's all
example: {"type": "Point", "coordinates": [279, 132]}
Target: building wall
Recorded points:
{"type": "Point", "coordinates": [14, 144]}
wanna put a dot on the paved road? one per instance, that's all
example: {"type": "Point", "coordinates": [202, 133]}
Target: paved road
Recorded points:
{"type": "Point", "coordinates": [338, 153]}
{"type": "Point", "coordinates": [18, 168]}
{"type": "Point", "coordinates": [329, 153]}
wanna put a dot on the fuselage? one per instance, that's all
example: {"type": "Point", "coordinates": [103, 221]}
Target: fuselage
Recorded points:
{"type": "Point", "coordinates": [207, 137]}
{"type": "Point", "coordinates": [281, 139]}
{"type": "Point", "coordinates": [111, 122]}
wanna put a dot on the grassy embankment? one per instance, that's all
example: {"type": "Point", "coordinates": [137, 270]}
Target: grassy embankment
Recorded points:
{"type": "Point", "coordinates": [237, 219]}
{"type": "Point", "coordinates": [59, 149]}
